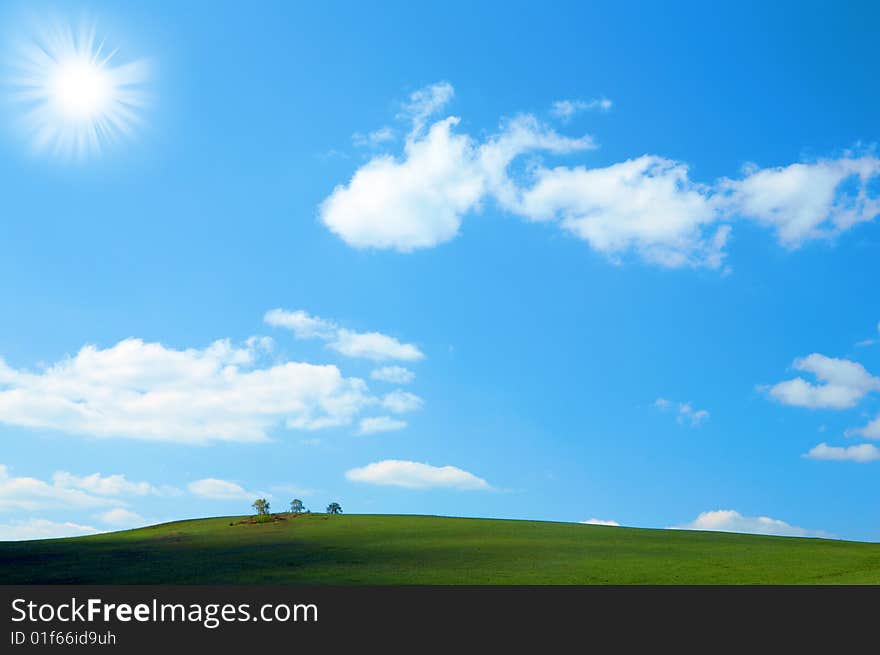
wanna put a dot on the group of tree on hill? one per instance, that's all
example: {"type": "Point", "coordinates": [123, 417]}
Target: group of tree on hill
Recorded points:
{"type": "Point", "coordinates": [261, 507]}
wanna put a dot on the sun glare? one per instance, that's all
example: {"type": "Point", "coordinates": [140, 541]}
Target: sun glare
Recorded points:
{"type": "Point", "coordinates": [75, 99]}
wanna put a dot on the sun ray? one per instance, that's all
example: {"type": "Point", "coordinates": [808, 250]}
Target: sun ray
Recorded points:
{"type": "Point", "coordinates": [75, 98]}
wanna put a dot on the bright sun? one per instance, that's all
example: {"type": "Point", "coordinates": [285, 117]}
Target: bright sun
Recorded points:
{"type": "Point", "coordinates": [76, 101]}
{"type": "Point", "coordinates": [81, 89]}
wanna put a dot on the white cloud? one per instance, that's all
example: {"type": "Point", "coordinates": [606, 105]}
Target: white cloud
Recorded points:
{"type": "Point", "coordinates": [861, 453]}
{"type": "Point", "coordinates": [425, 102]}
{"type": "Point", "coordinates": [367, 345]}
{"type": "Point", "coordinates": [375, 346]}
{"type": "Point", "coordinates": [566, 109]}
{"type": "Point", "coordinates": [868, 342]}
{"type": "Point", "coordinates": [42, 529]}
{"type": "Point", "coordinates": [416, 202]}
{"type": "Point", "coordinates": [844, 384]}
{"type": "Point", "coordinates": [728, 520]}
{"type": "Point", "coordinates": [121, 518]}
{"type": "Point", "coordinates": [393, 374]}
{"type": "Point", "coordinates": [695, 417]}
{"type": "Point", "coordinates": [375, 424]}
{"type": "Point", "coordinates": [221, 490]}
{"type": "Point", "coordinates": [107, 485]}
{"type": "Point", "coordinates": [807, 201]}
{"type": "Point", "coordinates": [647, 206]}
{"type": "Point", "coordinates": [147, 391]}
{"type": "Point", "coordinates": [870, 431]}
{"type": "Point", "coordinates": [303, 325]}
{"type": "Point", "coordinates": [415, 475]}
{"type": "Point", "coordinates": [685, 412]}
{"type": "Point", "coordinates": [614, 524]}
{"type": "Point", "coordinates": [401, 402]}
{"type": "Point", "coordinates": [30, 494]}
{"type": "Point", "coordinates": [374, 138]}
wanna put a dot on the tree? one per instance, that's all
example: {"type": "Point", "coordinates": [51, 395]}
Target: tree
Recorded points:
{"type": "Point", "coordinates": [334, 508]}
{"type": "Point", "coordinates": [261, 505]}
{"type": "Point", "coordinates": [296, 506]}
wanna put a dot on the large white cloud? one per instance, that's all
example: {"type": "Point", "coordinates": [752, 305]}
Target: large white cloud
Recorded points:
{"type": "Point", "coordinates": [861, 453]}
{"type": "Point", "coordinates": [843, 384]}
{"type": "Point", "coordinates": [419, 200]}
{"type": "Point", "coordinates": [42, 529]}
{"type": "Point", "coordinates": [728, 520]}
{"type": "Point", "coordinates": [416, 475]}
{"type": "Point", "coordinates": [411, 203]}
{"type": "Point", "coordinates": [28, 494]}
{"type": "Point", "coordinates": [807, 201]}
{"type": "Point", "coordinates": [368, 345]}
{"type": "Point", "coordinates": [148, 391]}
{"type": "Point", "coordinates": [647, 205]}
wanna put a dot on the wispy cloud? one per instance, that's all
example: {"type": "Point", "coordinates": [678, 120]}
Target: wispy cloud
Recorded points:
{"type": "Point", "coordinates": [565, 110]}
{"type": "Point", "coordinates": [368, 345]}
{"type": "Point", "coordinates": [686, 413]}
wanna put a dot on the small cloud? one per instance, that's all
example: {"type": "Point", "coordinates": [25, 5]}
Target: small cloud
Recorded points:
{"type": "Point", "coordinates": [376, 424]}
{"type": "Point", "coordinates": [367, 345]}
{"type": "Point", "coordinates": [614, 524]}
{"type": "Point", "coordinates": [426, 102]}
{"type": "Point", "coordinates": [393, 374]}
{"type": "Point", "coordinates": [416, 475]}
{"type": "Point", "coordinates": [216, 489]}
{"type": "Point", "coordinates": [728, 520]}
{"type": "Point", "coordinates": [686, 413]}
{"type": "Point", "coordinates": [120, 517]}
{"type": "Point", "coordinates": [374, 138]}
{"type": "Point", "coordinates": [401, 402]}
{"type": "Point", "coordinates": [566, 109]}
{"type": "Point", "coordinates": [869, 431]}
{"type": "Point", "coordinates": [861, 453]}
{"type": "Point", "coordinates": [842, 384]}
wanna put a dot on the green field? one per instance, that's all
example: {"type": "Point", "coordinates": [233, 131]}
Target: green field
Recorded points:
{"type": "Point", "coordinates": [378, 549]}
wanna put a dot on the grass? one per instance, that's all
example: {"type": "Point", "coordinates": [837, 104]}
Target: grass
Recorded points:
{"type": "Point", "coordinates": [379, 549]}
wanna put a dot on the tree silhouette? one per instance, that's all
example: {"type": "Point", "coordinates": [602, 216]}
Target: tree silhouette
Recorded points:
{"type": "Point", "coordinates": [261, 505]}
{"type": "Point", "coordinates": [334, 508]}
{"type": "Point", "coordinates": [296, 506]}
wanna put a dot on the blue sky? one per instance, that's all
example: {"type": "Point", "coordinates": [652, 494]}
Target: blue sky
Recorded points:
{"type": "Point", "coordinates": [610, 262]}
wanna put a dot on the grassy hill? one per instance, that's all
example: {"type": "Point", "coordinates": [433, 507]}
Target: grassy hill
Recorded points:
{"type": "Point", "coordinates": [376, 549]}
